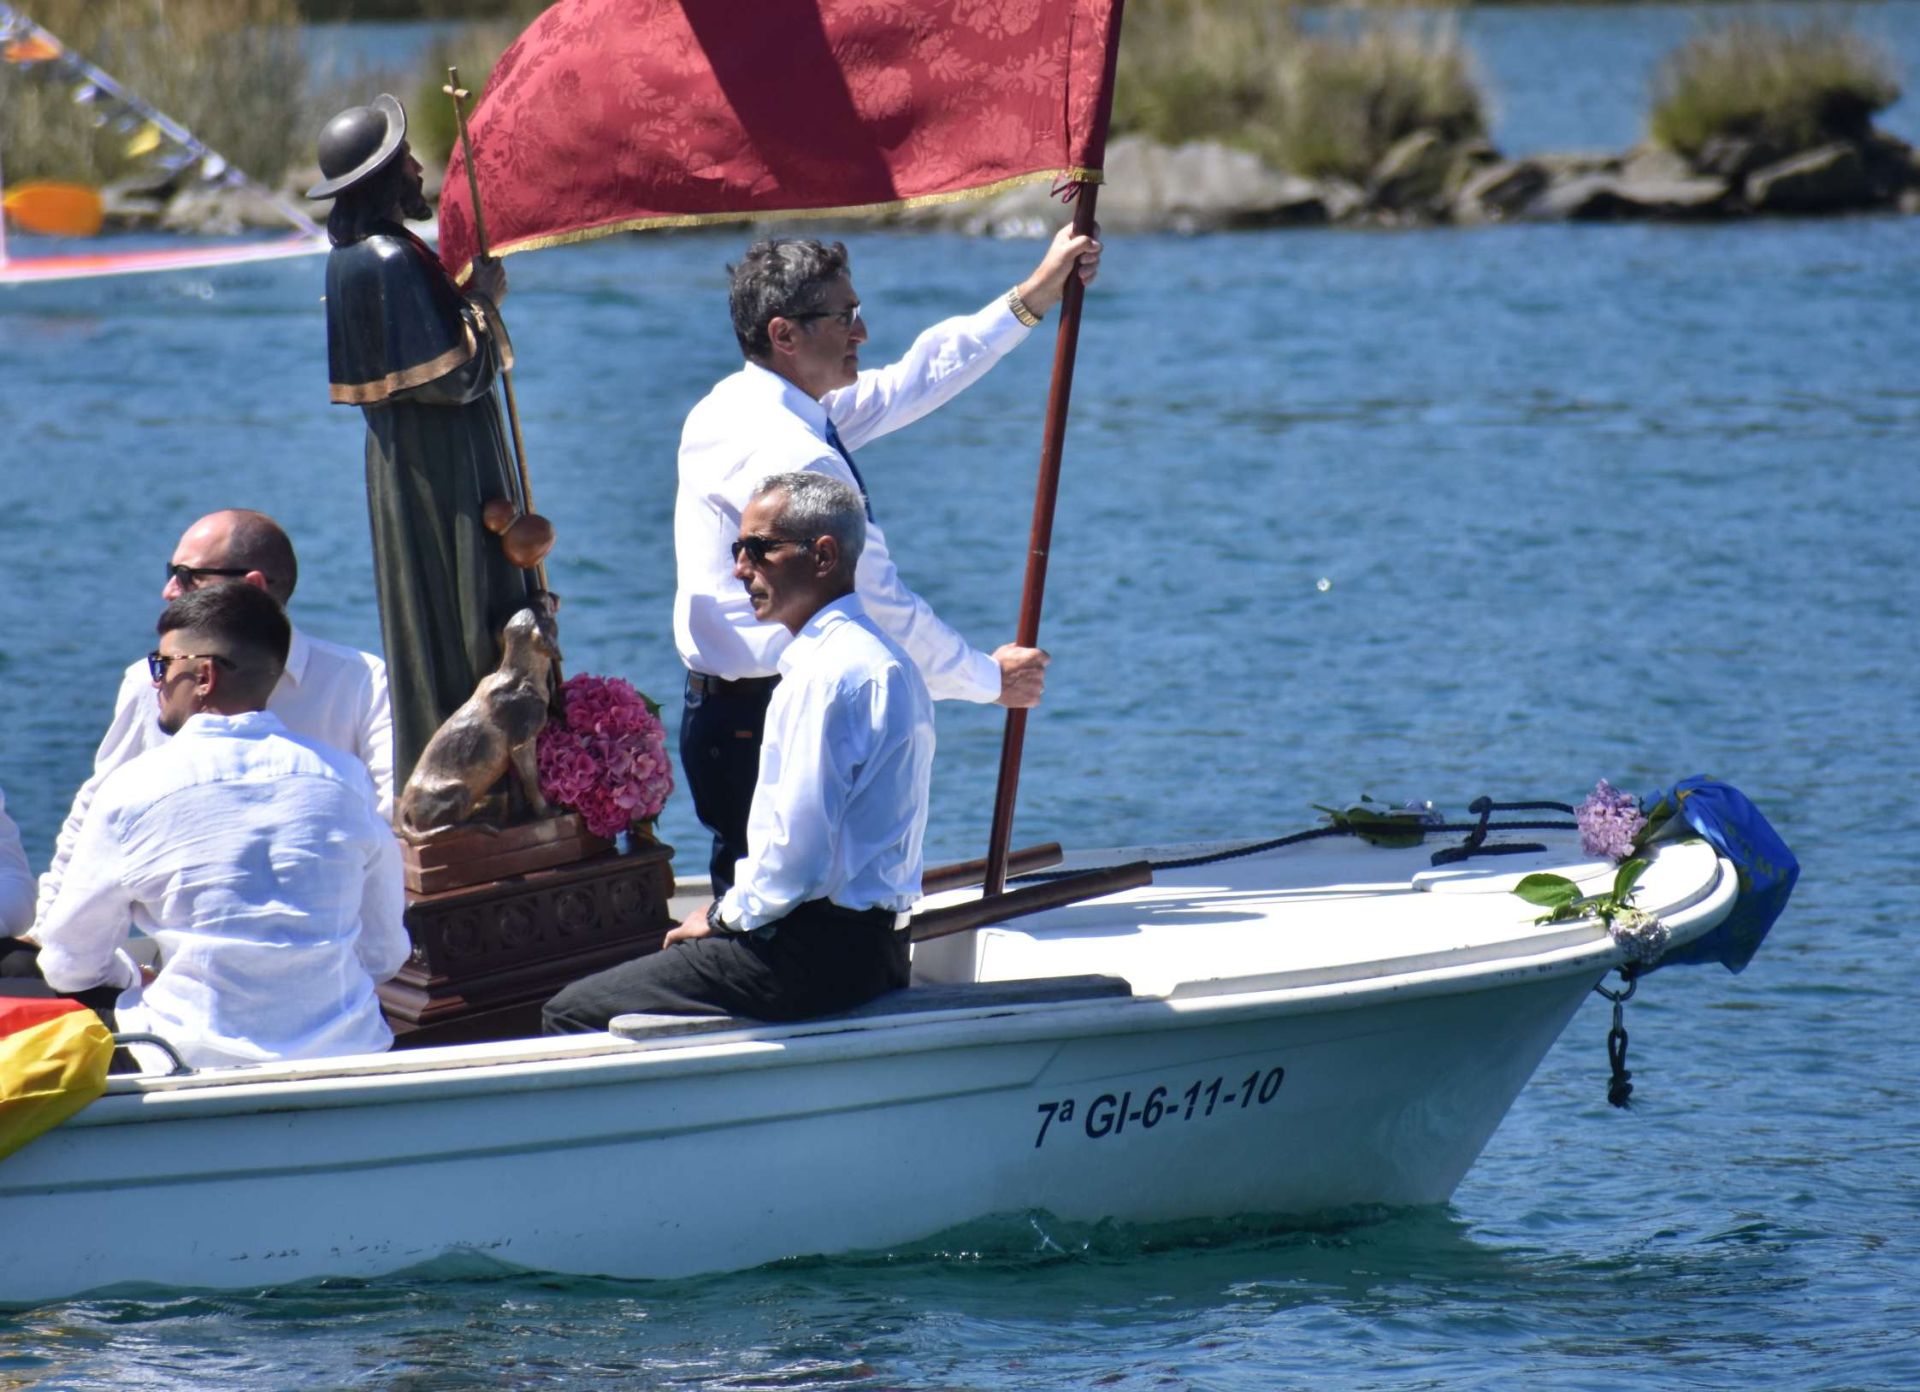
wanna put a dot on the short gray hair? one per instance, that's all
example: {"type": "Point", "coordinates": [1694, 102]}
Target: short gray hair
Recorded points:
{"type": "Point", "coordinates": [821, 505]}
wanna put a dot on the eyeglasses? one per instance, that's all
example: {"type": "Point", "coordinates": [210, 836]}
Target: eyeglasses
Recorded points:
{"type": "Point", "coordinates": [845, 318]}
{"type": "Point", "coordinates": [187, 576]}
{"type": "Point", "coordinates": [157, 662]}
{"type": "Point", "coordinates": [757, 547]}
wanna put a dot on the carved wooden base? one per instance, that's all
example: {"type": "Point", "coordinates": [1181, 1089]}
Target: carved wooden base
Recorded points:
{"type": "Point", "coordinates": [457, 857]}
{"type": "Point", "coordinates": [486, 957]}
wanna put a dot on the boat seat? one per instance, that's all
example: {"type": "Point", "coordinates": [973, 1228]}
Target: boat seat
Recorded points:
{"type": "Point", "coordinates": [909, 1000]}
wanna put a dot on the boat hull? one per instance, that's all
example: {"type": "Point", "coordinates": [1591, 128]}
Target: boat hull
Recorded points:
{"type": "Point", "coordinates": [720, 1155]}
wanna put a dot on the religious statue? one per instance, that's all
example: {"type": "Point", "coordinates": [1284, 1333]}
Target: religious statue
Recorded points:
{"type": "Point", "coordinates": [422, 360]}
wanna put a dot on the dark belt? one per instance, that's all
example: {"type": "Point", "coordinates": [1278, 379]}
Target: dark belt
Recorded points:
{"type": "Point", "coordinates": [700, 684]}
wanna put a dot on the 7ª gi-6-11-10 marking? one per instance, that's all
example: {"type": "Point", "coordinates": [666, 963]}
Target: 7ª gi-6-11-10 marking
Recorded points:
{"type": "Point", "coordinates": [1110, 1114]}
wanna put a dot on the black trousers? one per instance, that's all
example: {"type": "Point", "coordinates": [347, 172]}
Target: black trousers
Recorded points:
{"type": "Point", "coordinates": [720, 736]}
{"type": "Point", "coordinates": [819, 959]}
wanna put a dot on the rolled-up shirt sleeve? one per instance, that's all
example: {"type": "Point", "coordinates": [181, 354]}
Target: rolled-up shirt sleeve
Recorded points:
{"type": "Point", "coordinates": [81, 935]}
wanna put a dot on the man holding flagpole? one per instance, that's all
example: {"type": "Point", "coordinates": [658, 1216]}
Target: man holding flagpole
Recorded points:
{"type": "Point", "coordinates": [801, 403]}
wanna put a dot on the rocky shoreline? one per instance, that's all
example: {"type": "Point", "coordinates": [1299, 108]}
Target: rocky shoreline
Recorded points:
{"type": "Point", "coordinates": [1421, 181]}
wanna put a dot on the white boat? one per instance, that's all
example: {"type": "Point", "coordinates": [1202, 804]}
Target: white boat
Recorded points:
{"type": "Point", "coordinates": [1291, 1031]}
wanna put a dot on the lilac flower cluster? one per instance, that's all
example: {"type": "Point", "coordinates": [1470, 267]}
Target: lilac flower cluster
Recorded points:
{"type": "Point", "coordinates": [608, 762]}
{"type": "Point", "coordinates": [1609, 820]}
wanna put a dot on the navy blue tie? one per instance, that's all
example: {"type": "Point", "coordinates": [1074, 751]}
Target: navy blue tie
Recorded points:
{"type": "Point", "coordinates": [833, 438]}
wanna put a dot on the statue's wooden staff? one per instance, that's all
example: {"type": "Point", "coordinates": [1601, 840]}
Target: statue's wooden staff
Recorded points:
{"type": "Point", "coordinates": [544, 541]}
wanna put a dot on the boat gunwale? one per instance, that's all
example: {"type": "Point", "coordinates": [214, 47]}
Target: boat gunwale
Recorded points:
{"type": "Point", "coordinates": [605, 1061]}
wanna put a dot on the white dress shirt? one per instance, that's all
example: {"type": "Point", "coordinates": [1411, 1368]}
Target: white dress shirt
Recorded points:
{"type": "Point", "coordinates": [330, 693]}
{"type": "Point", "coordinates": [756, 423]}
{"type": "Point", "coordinates": [16, 879]}
{"type": "Point", "coordinates": [840, 811]}
{"type": "Point", "coordinates": [255, 858]}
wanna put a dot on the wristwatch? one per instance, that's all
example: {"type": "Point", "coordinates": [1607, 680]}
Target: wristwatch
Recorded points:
{"type": "Point", "coordinates": [715, 921]}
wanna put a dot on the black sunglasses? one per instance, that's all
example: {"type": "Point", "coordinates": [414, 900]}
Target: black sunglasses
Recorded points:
{"type": "Point", "coordinates": [157, 662]}
{"type": "Point", "coordinates": [846, 318]}
{"type": "Point", "coordinates": [189, 576]}
{"type": "Point", "coordinates": [757, 547]}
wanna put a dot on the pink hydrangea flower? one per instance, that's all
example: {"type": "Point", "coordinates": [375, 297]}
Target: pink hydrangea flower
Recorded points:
{"type": "Point", "coordinates": [1609, 820]}
{"type": "Point", "coordinates": [608, 761]}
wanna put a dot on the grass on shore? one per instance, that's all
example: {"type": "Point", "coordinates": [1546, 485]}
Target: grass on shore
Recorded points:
{"type": "Point", "coordinates": [234, 72]}
{"type": "Point", "coordinates": [224, 69]}
{"type": "Point", "coordinates": [1325, 98]}
{"type": "Point", "coordinates": [1790, 86]}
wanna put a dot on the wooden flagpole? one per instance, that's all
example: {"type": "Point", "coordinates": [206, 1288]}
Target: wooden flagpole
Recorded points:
{"type": "Point", "coordinates": [1053, 441]}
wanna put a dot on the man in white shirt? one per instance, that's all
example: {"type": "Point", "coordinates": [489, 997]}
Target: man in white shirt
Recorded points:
{"type": "Point", "coordinates": [253, 856]}
{"type": "Point", "coordinates": [840, 809]}
{"type": "Point", "coordinates": [800, 402]}
{"type": "Point", "coordinates": [328, 692]}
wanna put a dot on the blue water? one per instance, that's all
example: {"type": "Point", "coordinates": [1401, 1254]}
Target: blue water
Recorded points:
{"type": "Point", "coordinates": [1624, 501]}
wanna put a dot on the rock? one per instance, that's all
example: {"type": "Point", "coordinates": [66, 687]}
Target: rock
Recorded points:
{"type": "Point", "coordinates": [1572, 164]}
{"type": "Point", "coordinates": [212, 211]}
{"type": "Point", "coordinates": [1828, 179]}
{"type": "Point", "coordinates": [1655, 164]}
{"type": "Point", "coordinates": [1735, 156]}
{"type": "Point", "coordinates": [1892, 165]}
{"type": "Point", "coordinates": [1345, 202]}
{"type": "Point", "coordinates": [1197, 187]}
{"type": "Point", "coordinates": [128, 210]}
{"type": "Point", "coordinates": [1498, 191]}
{"type": "Point", "coordinates": [1614, 197]}
{"type": "Point", "coordinates": [1582, 198]}
{"type": "Point", "coordinates": [1412, 175]}
{"type": "Point", "coordinates": [1675, 197]}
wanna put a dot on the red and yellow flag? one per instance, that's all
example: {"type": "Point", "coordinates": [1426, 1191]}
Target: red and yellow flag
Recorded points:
{"type": "Point", "coordinates": [615, 115]}
{"type": "Point", "coordinates": [53, 1061]}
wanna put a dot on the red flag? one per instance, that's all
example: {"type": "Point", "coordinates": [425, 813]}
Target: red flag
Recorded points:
{"type": "Point", "coordinates": [615, 115]}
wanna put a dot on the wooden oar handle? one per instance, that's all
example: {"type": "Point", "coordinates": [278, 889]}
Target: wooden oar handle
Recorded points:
{"type": "Point", "coordinates": [972, 872]}
{"type": "Point", "coordinates": [1013, 903]}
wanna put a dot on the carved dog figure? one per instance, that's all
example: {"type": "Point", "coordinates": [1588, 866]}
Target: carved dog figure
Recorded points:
{"type": "Point", "coordinates": [494, 731]}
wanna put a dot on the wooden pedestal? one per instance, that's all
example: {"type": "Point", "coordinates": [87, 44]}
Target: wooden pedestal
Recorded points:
{"type": "Point", "coordinates": [486, 956]}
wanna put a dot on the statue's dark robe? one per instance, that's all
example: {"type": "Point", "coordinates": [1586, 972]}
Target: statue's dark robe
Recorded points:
{"type": "Point", "coordinates": [421, 361]}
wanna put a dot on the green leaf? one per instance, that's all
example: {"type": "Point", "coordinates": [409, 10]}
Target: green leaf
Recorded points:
{"type": "Point", "coordinates": [1625, 877]}
{"type": "Point", "coordinates": [1548, 891]}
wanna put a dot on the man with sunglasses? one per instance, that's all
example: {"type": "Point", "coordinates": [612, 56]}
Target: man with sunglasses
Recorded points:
{"type": "Point", "coordinates": [839, 810]}
{"type": "Point", "coordinates": [253, 856]}
{"type": "Point", "coordinates": [801, 402]}
{"type": "Point", "coordinates": [328, 692]}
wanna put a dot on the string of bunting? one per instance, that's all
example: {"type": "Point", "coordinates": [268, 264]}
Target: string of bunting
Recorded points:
{"type": "Point", "coordinates": [149, 134]}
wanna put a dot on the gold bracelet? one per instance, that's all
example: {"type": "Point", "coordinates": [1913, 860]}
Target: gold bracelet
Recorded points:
{"type": "Point", "coordinates": [1019, 308]}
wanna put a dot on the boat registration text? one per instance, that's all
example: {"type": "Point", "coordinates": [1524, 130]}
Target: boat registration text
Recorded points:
{"type": "Point", "coordinates": [1111, 1114]}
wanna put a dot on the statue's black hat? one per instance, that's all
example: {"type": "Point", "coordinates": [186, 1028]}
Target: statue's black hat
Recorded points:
{"type": "Point", "coordinates": [358, 143]}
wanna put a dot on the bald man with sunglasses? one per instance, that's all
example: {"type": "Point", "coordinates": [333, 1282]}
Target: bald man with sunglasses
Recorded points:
{"type": "Point", "coordinates": [328, 692]}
